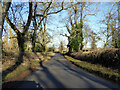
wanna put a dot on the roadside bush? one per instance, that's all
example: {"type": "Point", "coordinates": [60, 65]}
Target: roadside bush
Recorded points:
{"type": "Point", "coordinates": [106, 57]}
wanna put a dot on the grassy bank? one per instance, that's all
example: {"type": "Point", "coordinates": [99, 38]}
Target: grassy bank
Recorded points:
{"type": "Point", "coordinates": [109, 57]}
{"type": "Point", "coordinates": [107, 73]}
{"type": "Point", "coordinates": [31, 61]}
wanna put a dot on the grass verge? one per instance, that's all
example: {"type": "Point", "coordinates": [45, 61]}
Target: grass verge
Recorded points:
{"type": "Point", "coordinates": [16, 72]}
{"type": "Point", "coordinates": [104, 72]}
{"type": "Point", "coordinates": [24, 69]}
{"type": "Point", "coordinates": [19, 70]}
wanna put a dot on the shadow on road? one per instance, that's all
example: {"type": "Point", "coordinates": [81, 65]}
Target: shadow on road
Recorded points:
{"type": "Point", "coordinates": [82, 75]}
{"type": "Point", "coordinates": [12, 68]}
{"type": "Point", "coordinates": [48, 80]}
{"type": "Point", "coordinates": [53, 80]}
{"type": "Point", "coordinates": [21, 84]}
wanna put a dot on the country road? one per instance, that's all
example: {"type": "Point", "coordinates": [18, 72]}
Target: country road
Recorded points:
{"type": "Point", "coordinates": [59, 73]}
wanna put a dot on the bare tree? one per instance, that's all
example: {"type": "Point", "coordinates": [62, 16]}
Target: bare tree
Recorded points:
{"type": "Point", "coordinates": [108, 21]}
{"type": "Point", "coordinates": [21, 35]}
{"type": "Point", "coordinates": [94, 39]}
{"type": "Point", "coordinates": [86, 34]}
{"type": "Point", "coordinates": [41, 12]}
{"type": "Point", "coordinates": [76, 17]}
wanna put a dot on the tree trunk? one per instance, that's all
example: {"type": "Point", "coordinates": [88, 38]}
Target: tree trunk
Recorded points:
{"type": "Point", "coordinates": [70, 49]}
{"type": "Point", "coordinates": [33, 41]}
{"type": "Point", "coordinates": [34, 35]}
{"type": "Point", "coordinates": [106, 43]}
{"type": "Point", "coordinates": [81, 47]}
{"type": "Point", "coordinates": [113, 37]}
{"type": "Point", "coordinates": [35, 29]}
{"type": "Point", "coordinates": [44, 36]}
{"type": "Point", "coordinates": [21, 42]}
{"type": "Point", "coordinates": [45, 48]}
{"type": "Point", "coordinates": [107, 35]}
{"type": "Point", "coordinates": [4, 10]}
{"type": "Point", "coordinates": [81, 27]}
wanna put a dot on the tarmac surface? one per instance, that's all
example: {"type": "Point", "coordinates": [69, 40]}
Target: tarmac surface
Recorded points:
{"type": "Point", "coordinates": [59, 73]}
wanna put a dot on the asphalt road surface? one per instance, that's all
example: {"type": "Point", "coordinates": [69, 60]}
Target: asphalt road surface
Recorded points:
{"type": "Point", "coordinates": [59, 73]}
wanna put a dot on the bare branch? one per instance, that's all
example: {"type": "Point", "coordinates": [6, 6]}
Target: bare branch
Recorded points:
{"type": "Point", "coordinates": [64, 35]}
{"type": "Point", "coordinates": [13, 14]}
{"type": "Point", "coordinates": [57, 11]}
{"type": "Point", "coordinates": [60, 9]}
{"type": "Point", "coordinates": [87, 14]}
{"type": "Point", "coordinates": [39, 15]}
{"type": "Point", "coordinates": [68, 28]}
{"type": "Point", "coordinates": [29, 18]}
{"type": "Point", "coordinates": [44, 14]}
{"type": "Point", "coordinates": [5, 9]}
{"type": "Point", "coordinates": [12, 25]}
{"type": "Point", "coordinates": [47, 8]}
